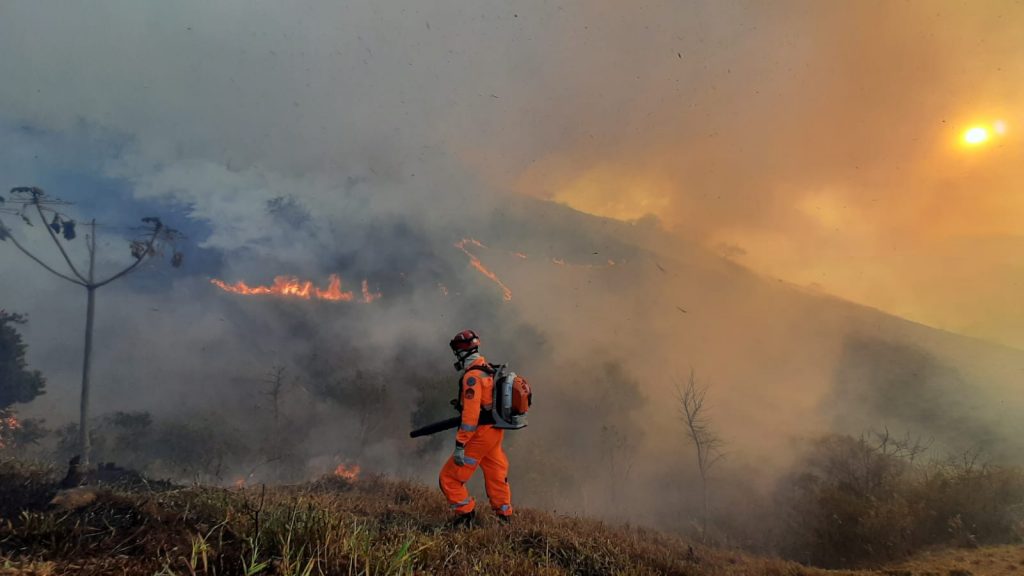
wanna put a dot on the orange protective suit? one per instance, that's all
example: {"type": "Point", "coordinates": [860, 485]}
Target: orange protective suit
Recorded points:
{"type": "Point", "coordinates": [482, 443]}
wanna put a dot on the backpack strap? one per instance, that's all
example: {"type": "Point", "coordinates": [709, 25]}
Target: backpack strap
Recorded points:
{"type": "Point", "coordinates": [489, 369]}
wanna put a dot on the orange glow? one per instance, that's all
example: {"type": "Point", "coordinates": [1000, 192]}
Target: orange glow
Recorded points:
{"type": "Point", "coordinates": [239, 484]}
{"type": "Point", "coordinates": [8, 425]}
{"type": "Point", "coordinates": [476, 263]}
{"type": "Point", "coordinates": [368, 296]}
{"type": "Point", "coordinates": [350, 473]}
{"type": "Point", "coordinates": [976, 135]}
{"type": "Point", "coordinates": [292, 287]}
{"type": "Point", "coordinates": [981, 134]}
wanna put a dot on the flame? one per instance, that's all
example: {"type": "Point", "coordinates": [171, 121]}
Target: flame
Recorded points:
{"type": "Point", "coordinates": [476, 263]}
{"type": "Point", "coordinates": [350, 473]}
{"type": "Point", "coordinates": [368, 296]}
{"type": "Point", "coordinates": [240, 483]}
{"type": "Point", "coordinates": [443, 288]}
{"type": "Point", "coordinates": [8, 424]}
{"type": "Point", "coordinates": [290, 286]}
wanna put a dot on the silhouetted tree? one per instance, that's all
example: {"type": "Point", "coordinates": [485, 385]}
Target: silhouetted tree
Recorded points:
{"type": "Point", "coordinates": [18, 384]}
{"type": "Point", "coordinates": [708, 446]}
{"type": "Point", "coordinates": [31, 202]}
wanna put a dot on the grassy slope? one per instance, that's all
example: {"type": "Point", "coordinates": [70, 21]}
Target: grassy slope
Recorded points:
{"type": "Point", "coordinates": [992, 561]}
{"type": "Point", "coordinates": [372, 526]}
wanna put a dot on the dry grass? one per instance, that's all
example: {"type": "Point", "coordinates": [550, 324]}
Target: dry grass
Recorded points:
{"type": "Point", "coordinates": [992, 561]}
{"type": "Point", "coordinates": [372, 526]}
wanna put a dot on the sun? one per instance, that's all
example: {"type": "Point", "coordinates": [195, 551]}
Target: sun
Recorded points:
{"type": "Point", "coordinates": [976, 135]}
{"type": "Point", "coordinates": [982, 134]}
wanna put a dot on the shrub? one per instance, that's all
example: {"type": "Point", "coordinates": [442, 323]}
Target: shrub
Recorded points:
{"type": "Point", "coordinates": [869, 500]}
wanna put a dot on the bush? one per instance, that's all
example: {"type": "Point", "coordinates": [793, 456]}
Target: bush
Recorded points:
{"type": "Point", "coordinates": [870, 500]}
{"type": "Point", "coordinates": [189, 448]}
{"type": "Point", "coordinates": [18, 384]}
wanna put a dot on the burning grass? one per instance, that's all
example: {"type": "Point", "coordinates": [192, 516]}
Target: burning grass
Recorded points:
{"type": "Point", "coordinates": [331, 526]}
{"type": "Point", "coordinates": [292, 287]}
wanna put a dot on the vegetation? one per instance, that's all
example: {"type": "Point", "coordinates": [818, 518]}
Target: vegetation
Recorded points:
{"type": "Point", "coordinates": [31, 202]}
{"type": "Point", "coordinates": [332, 526]}
{"type": "Point", "coordinates": [706, 442]}
{"type": "Point", "coordinates": [194, 448]}
{"type": "Point", "coordinates": [18, 384]}
{"type": "Point", "coordinates": [874, 499]}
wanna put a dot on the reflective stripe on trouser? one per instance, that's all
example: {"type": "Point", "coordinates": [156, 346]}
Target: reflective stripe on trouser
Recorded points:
{"type": "Point", "coordinates": [483, 450]}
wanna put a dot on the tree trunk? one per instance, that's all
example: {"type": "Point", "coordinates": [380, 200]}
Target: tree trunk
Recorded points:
{"type": "Point", "coordinates": [704, 489]}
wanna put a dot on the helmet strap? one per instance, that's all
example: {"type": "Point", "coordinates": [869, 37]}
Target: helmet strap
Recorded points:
{"type": "Point", "coordinates": [461, 356]}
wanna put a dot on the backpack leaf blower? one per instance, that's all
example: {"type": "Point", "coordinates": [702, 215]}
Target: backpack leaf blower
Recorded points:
{"type": "Point", "coordinates": [436, 427]}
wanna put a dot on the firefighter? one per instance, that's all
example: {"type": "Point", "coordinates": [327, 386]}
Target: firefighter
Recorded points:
{"type": "Point", "coordinates": [477, 442]}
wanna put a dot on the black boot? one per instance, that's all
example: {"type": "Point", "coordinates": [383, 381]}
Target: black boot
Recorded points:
{"type": "Point", "coordinates": [505, 519]}
{"type": "Point", "coordinates": [466, 520]}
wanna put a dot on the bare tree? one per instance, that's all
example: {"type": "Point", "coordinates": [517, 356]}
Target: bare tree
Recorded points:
{"type": "Point", "coordinates": [708, 445]}
{"type": "Point", "coordinates": [32, 202]}
{"type": "Point", "coordinates": [274, 379]}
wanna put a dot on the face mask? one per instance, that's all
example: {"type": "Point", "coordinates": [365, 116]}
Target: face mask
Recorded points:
{"type": "Point", "coordinates": [460, 363]}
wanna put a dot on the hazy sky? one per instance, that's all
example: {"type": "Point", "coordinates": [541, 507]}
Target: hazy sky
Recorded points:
{"type": "Point", "coordinates": [819, 142]}
{"type": "Point", "coordinates": [814, 141]}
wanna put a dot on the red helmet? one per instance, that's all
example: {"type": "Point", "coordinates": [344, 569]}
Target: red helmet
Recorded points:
{"type": "Point", "coordinates": [465, 341]}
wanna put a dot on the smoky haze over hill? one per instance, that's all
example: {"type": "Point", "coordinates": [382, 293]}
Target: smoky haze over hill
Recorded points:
{"type": "Point", "coordinates": [367, 141]}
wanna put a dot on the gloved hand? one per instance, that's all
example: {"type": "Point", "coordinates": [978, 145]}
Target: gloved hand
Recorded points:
{"type": "Point", "coordinates": [460, 455]}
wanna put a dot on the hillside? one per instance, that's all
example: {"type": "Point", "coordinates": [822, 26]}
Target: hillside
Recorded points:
{"type": "Point", "coordinates": [368, 526]}
{"type": "Point", "coordinates": [605, 317]}
{"type": "Point", "coordinates": [785, 361]}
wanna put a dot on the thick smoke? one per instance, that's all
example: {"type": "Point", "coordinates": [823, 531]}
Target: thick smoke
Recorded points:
{"type": "Point", "coordinates": [366, 140]}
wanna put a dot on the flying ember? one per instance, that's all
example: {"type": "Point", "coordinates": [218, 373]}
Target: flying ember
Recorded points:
{"type": "Point", "coordinates": [290, 286]}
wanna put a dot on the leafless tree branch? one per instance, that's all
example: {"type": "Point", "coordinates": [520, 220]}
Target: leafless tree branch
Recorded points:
{"type": "Point", "coordinates": [693, 413]}
{"type": "Point", "coordinates": [157, 228]}
{"type": "Point", "coordinates": [42, 218]}
{"type": "Point", "coordinates": [5, 234]}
